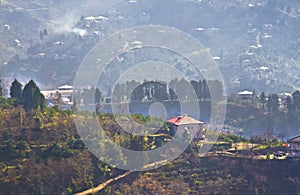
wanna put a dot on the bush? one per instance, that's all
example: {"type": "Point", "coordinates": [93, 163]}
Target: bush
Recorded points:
{"type": "Point", "coordinates": [232, 138]}
{"type": "Point", "coordinates": [257, 140]}
{"type": "Point", "coordinates": [58, 151]}
{"type": "Point", "coordinates": [22, 145]}
{"type": "Point", "coordinates": [76, 144]}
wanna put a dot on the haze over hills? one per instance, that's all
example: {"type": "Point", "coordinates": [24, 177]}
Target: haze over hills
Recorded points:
{"type": "Point", "coordinates": [255, 43]}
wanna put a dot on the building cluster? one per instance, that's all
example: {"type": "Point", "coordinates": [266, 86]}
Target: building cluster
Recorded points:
{"type": "Point", "coordinates": [246, 97]}
{"type": "Point", "coordinates": [62, 97]}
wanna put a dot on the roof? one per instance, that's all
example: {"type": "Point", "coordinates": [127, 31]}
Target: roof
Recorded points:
{"type": "Point", "coordinates": [246, 93]}
{"type": "Point", "coordinates": [286, 95]}
{"type": "Point", "coordinates": [184, 120]}
{"type": "Point", "coordinates": [64, 87]}
{"type": "Point", "coordinates": [264, 68]}
{"type": "Point", "coordinates": [295, 139]}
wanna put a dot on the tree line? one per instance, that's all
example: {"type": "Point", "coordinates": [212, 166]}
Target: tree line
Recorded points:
{"type": "Point", "coordinates": [272, 102]}
{"type": "Point", "coordinates": [30, 97]}
{"type": "Point", "coordinates": [176, 89]}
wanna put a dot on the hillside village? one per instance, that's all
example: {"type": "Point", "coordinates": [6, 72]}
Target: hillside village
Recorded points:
{"type": "Point", "coordinates": [255, 44]}
{"type": "Point", "coordinates": [253, 64]}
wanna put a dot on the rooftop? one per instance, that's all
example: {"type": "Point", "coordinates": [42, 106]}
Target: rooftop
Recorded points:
{"type": "Point", "coordinates": [246, 93]}
{"type": "Point", "coordinates": [295, 139]}
{"type": "Point", "coordinates": [184, 120]}
{"type": "Point", "coordinates": [65, 87]}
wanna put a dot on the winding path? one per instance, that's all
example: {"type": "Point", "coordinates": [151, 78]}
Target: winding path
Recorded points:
{"type": "Point", "coordinates": [103, 185]}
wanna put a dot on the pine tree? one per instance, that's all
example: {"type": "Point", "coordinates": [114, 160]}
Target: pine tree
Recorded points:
{"type": "Point", "coordinates": [262, 99]}
{"type": "Point", "coordinates": [16, 91]}
{"type": "Point", "coordinates": [289, 104]}
{"type": "Point", "coordinates": [33, 97]}
{"type": "Point", "coordinates": [1, 91]}
{"type": "Point", "coordinates": [74, 106]}
{"type": "Point", "coordinates": [45, 32]}
{"type": "Point", "coordinates": [98, 96]}
{"type": "Point", "coordinates": [205, 88]}
{"type": "Point", "coordinates": [273, 103]}
{"type": "Point", "coordinates": [269, 103]}
{"type": "Point", "coordinates": [41, 35]}
{"type": "Point", "coordinates": [296, 100]}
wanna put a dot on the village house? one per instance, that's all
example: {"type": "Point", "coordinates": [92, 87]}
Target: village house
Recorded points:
{"type": "Point", "coordinates": [245, 96]}
{"type": "Point", "coordinates": [188, 123]}
{"type": "Point", "coordinates": [294, 147]}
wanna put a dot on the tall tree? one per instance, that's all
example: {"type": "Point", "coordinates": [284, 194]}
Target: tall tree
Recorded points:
{"type": "Point", "coordinates": [16, 90]}
{"type": "Point", "coordinates": [74, 106]}
{"type": "Point", "coordinates": [205, 88]}
{"type": "Point", "coordinates": [296, 99]}
{"type": "Point", "coordinates": [98, 96]}
{"type": "Point", "coordinates": [289, 103]}
{"type": "Point", "coordinates": [1, 91]}
{"type": "Point", "coordinates": [262, 99]}
{"type": "Point", "coordinates": [269, 103]}
{"type": "Point", "coordinates": [197, 88]}
{"type": "Point", "coordinates": [41, 35]}
{"type": "Point", "coordinates": [172, 95]}
{"type": "Point", "coordinates": [273, 103]}
{"type": "Point", "coordinates": [33, 97]}
{"type": "Point", "coordinates": [45, 32]}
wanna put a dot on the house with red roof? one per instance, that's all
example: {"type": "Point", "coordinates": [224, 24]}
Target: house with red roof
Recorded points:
{"type": "Point", "coordinates": [187, 123]}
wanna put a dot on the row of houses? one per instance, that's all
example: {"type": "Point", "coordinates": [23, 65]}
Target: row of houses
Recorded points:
{"type": "Point", "coordinates": [247, 96]}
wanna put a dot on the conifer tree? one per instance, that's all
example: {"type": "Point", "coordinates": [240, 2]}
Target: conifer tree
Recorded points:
{"type": "Point", "coordinates": [33, 97]}
{"type": "Point", "coordinates": [16, 90]}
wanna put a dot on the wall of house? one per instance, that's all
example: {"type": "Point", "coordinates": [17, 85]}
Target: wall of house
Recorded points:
{"type": "Point", "coordinates": [195, 129]}
{"type": "Point", "coordinates": [295, 146]}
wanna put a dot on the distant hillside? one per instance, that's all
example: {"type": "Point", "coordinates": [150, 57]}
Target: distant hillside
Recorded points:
{"type": "Point", "coordinates": [244, 35]}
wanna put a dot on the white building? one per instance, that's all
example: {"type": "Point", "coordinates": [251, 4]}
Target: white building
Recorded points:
{"type": "Point", "coordinates": [62, 96]}
{"type": "Point", "coordinates": [245, 96]}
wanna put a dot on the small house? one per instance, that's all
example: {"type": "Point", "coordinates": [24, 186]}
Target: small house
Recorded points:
{"type": "Point", "coordinates": [188, 123]}
{"type": "Point", "coordinates": [245, 96]}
